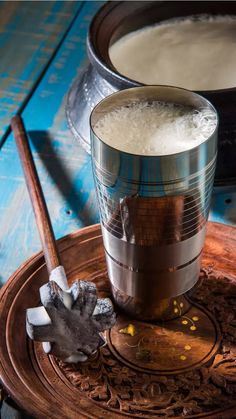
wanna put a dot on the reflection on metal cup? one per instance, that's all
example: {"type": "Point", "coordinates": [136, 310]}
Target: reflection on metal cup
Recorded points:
{"type": "Point", "coordinates": [153, 211]}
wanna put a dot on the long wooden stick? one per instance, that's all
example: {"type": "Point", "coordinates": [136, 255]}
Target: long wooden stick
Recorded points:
{"type": "Point", "coordinates": [36, 195]}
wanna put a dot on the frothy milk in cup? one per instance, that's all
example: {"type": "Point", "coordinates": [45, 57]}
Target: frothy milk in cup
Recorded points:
{"type": "Point", "coordinates": [155, 128]}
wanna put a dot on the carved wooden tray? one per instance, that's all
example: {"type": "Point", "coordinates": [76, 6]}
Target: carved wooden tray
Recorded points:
{"type": "Point", "coordinates": [185, 367]}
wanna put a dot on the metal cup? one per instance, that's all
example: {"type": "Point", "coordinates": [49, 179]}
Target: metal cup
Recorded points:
{"type": "Point", "coordinates": [153, 212]}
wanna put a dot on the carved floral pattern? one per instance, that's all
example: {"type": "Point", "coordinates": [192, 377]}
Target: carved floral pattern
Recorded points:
{"type": "Point", "coordinates": [119, 388]}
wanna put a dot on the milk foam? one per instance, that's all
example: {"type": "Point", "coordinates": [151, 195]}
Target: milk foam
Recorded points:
{"type": "Point", "coordinates": [155, 129]}
{"type": "Point", "coordinates": [195, 54]}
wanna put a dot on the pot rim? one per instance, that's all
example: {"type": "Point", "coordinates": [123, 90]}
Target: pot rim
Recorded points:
{"type": "Point", "coordinates": [106, 68]}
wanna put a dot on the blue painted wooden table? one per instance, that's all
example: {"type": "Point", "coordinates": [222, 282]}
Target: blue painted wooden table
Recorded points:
{"type": "Point", "coordinates": [42, 46]}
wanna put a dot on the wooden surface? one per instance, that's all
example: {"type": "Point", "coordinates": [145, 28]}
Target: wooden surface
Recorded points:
{"type": "Point", "coordinates": [64, 169]}
{"type": "Point", "coordinates": [43, 49]}
{"type": "Point", "coordinates": [30, 35]}
{"type": "Point", "coordinates": [115, 383]}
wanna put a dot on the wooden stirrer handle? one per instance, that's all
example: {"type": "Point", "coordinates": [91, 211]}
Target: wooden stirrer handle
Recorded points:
{"type": "Point", "coordinates": [36, 195]}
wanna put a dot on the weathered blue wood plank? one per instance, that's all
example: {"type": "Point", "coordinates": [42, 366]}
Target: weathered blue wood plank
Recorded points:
{"type": "Point", "coordinates": [223, 208]}
{"type": "Point", "coordinates": [29, 33]}
{"type": "Point", "coordinates": [64, 169]}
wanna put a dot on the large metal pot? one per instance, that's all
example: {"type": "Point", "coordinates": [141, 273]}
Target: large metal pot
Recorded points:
{"type": "Point", "coordinates": [100, 78]}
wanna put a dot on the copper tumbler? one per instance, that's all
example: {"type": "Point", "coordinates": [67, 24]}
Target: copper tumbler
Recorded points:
{"type": "Point", "coordinates": [153, 211]}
